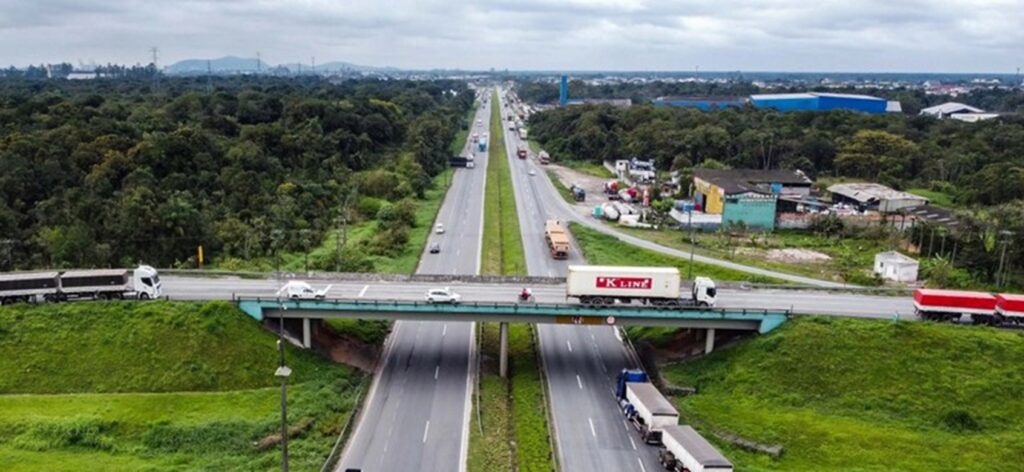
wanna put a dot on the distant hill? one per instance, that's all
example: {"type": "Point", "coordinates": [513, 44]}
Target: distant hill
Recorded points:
{"type": "Point", "coordinates": [234, 65]}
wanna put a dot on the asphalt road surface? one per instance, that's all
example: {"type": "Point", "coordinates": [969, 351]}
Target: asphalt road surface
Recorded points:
{"type": "Point", "coordinates": [581, 361]}
{"type": "Point", "coordinates": [416, 416]}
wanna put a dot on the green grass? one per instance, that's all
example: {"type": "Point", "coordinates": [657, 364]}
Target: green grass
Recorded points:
{"type": "Point", "coordinates": [533, 446]}
{"type": "Point", "coordinates": [934, 197]}
{"type": "Point", "coordinates": [850, 255]}
{"type": "Point", "coordinates": [459, 144]}
{"type": "Point", "coordinates": [158, 386]}
{"type": "Point", "coordinates": [589, 168]}
{"type": "Point", "coordinates": [601, 249]}
{"type": "Point", "coordinates": [503, 245]}
{"type": "Point", "coordinates": [848, 394]}
{"type": "Point", "coordinates": [366, 331]}
{"type": "Point", "coordinates": [562, 189]}
{"type": "Point", "coordinates": [490, 437]}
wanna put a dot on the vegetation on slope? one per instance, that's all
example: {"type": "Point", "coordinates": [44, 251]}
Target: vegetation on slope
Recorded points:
{"type": "Point", "coordinates": [171, 386]}
{"type": "Point", "coordinates": [847, 394]}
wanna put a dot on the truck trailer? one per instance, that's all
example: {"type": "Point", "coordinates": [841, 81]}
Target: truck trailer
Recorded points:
{"type": "Point", "coordinates": [606, 285]}
{"type": "Point", "coordinates": [685, 450]}
{"type": "Point", "coordinates": [983, 308]}
{"type": "Point", "coordinates": [557, 239]}
{"type": "Point", "coordinates": [101, 284]}
{"type": "Point", "coordinates": [482, 144]}
{"type": "Point", "coordinates": [644, 406]}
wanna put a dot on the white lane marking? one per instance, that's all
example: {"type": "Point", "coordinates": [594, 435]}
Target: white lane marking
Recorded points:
{"type": "Point", "coordinates": [632, 442]}
{"type": "Point", "coordinates": [604, 367]}
{"type": "Point", "coordinates": [592, 430]}
{"type": "Point", "coordinates": [437, 370]}
{"type": "Point", "coordinates": [625, 425]}
{"type": "Point", "coordinates": [425, 431]}
{"type": "Point", "coordinates": [618, 335]}
{"type": "Point", "coordinates": [569, 344]}
{"type": "Point", "coordinates": [458, 252]}
{"type": "Point", "coordinates": [444, 330]}
{"type": "Point", "coordinates": [386, 443]}
{"type": "Point", "coordinates": [363, 291]}
{"type": "Point", "coordinates": [579, 382]}
{"type": "Point", "coordinates": [642, 468]}
{"type": "Point", "coordinates": [592, 338]}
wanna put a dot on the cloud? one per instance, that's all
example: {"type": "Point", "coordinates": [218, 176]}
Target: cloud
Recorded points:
{"type": "Point", "coordinates": [876, 35]}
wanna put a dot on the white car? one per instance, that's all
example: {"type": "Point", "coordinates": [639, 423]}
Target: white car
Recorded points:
{"type": "Point", "coordinates": [299, 290]}
{"type": "Point", "coordinates": [439, 229]}
{"type": "Point", "coordinates": [532, 172]}
{"type": "Point", "coordinates": [443, 295]}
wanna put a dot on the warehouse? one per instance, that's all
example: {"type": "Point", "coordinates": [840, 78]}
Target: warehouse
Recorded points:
{"type": "Point", "coordinates": [876, 197]}
{"type": "Point", "coordinates": [822, 102]}
{"type": "Point", "coordinates": [747, 196]}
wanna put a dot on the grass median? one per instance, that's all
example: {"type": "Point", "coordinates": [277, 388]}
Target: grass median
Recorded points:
{"type": "Point", "coordinates": [509, 430]}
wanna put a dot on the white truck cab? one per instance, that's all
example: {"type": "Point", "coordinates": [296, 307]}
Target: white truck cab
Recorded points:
{"type": "Point", "coordinates": [146, 282]}
{"type": "Point", "coordinates": [704, 292]}
{"type": "Point", "coordinates": [300, 290]}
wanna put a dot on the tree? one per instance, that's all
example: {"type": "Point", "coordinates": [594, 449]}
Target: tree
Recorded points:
{"type": "Point", "coordinates": [876, 155]}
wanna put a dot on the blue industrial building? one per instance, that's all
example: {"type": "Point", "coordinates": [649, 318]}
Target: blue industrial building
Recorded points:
{"type": "Point", "coordinates": [820, 102]}
{"type": "Point", "coordinates": [702, 103]}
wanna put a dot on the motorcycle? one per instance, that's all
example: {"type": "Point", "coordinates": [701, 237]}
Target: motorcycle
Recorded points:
{"type": "Point", "coordinates": [525, 297]}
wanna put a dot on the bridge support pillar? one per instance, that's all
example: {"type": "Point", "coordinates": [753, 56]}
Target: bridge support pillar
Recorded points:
{"type": "Point", "coordinates": [307, 333]}
{"type": "Point", "coordinates": [503, 355]}
{"type": "Point", "coordinates": [709, 341]}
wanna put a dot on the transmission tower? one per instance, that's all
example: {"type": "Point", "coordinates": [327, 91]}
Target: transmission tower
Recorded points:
{"type": "Point", "coordinates": [259, 63]}
{"type": "Point", "coordinates": [156, 70]}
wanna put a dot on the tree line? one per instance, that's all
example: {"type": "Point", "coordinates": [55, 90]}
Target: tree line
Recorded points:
{"type": "Point", "coordinates": [111, 172]}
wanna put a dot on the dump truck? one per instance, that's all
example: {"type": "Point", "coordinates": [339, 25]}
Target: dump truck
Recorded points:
{"type": "Point", "coordinates": [606, 285]}
{"type": "Point", "coordinates": [544, 157]}
{"type": "Point", "coordinates": [644, 406]}
{"type": "Point", "coordinates": [557, 239]}
{"type": "Point", "coordinates": [101, 284]}
{"type": "Point", "coordinates": [521, 152]}
{"type": "Point", "coordinates": [685, 450]}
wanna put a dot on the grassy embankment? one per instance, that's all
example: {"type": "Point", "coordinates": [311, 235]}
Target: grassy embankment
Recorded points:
{"type": "Point", "coordinates": [935, 197]}
{"type": "Point", "coordinates": [158, 386]}
{"type": "Point", "coordinates": [845, 394]}
{"type": "Point", "coordinates": [601, 249]}
{"type": "Point", "coordinates": [512, 432]}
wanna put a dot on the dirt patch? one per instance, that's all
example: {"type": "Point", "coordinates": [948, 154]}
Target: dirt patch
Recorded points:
{"type": "Point", "coordinates": [797, 256]}
{"type": "Point", "coordinates": [345, 350]}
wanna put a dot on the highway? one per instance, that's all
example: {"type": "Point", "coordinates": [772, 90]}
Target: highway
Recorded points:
{"type": "Point", "coordinates": [416, 415]}
{"type": "Point", "coordinates": [581, 362]}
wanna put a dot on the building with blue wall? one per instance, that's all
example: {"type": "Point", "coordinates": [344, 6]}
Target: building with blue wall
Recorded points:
{"type": "Point", "coordinates": [815, 101]}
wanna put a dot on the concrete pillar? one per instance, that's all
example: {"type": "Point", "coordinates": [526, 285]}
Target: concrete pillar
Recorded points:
{"type": "Point", "coordinates": [503, 355]}
{"type": "Point", "coordinates": [709, 341]}
{"type": "Point", "coordinates": [307, 333]}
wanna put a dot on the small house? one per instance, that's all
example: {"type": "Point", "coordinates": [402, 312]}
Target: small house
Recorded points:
{"type": "Point", "coordinates": [897, 267]}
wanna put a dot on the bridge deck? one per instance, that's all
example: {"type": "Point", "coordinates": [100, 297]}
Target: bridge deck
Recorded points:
{"type": "Point", "coordinates": [762, 321]}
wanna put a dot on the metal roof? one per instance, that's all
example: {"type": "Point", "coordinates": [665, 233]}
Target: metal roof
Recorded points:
{"type": "Point", "coordinates": [733, 181]}
{"type": "Point", "coordinates": [895, 257]}
{"type": "Point", "coordinates": [696, 445]}
{"type": "Point", "coordinates": [96, 273]}
{"type": "Point", "coordinates": [867, 192]}
{"type": "Point", "coordinates": [950, 108]}
{"type": "Point", "coordinates": [652, 399]}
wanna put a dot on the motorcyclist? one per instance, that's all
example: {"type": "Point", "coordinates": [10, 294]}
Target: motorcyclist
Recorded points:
{"type": "Point", "coordinates": [525, 294]}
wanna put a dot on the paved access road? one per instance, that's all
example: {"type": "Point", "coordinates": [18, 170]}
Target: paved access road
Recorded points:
{"type": "Point", "coordinates": [416, 415]}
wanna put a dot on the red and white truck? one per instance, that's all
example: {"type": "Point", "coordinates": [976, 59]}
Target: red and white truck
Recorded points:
{"type": "Point", "coordinates": [983, 308]}
{"type": "Point", "coordinates": [605, 285]}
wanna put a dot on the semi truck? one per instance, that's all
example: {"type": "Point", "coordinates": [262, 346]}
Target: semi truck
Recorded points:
{"type": "Point", "coordinates": [482, 144]}
{"type": "Point", "coordinates": [982, 307]}
{"type": "Point", "coordinates": [521, 152]}
{"type": "Point", "coordinates": [578, 193]}
{"type": "Point", "coordinates": [461, 161]}
{"type": "Point", "coordinates": [544, 158]}
{"type": "Point", "coordinates": [557, 239]}
{"type": "Point", "coordinates": [644, 406]}
{"type": "Point", "coordinates": [685, 450]}
{"type": "Point", "coordinates": [606, 285]}
{"type": "Point", "coordinates": [100, 284]}
{"type": "Point", "coordinates": [522, 133]}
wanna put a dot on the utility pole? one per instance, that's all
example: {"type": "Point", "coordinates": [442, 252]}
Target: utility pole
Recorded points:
{"type": "Point", "coordinates": [1000, 276]}
{"type": "Point", "coordinates": [283, 372]}
{"type": "Point", "coordinates": [259, 63]}
{"type": "Point", "coordinates": [209, 78]}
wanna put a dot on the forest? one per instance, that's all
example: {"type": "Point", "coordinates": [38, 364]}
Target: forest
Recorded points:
{"type": "Point", "coordinates": [976, 169]}
{"type": "Point", "coordinates": [113, 172]}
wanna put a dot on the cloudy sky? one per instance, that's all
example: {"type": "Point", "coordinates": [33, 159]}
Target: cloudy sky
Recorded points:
{"type": "Point", "coordinates": [797, 35]}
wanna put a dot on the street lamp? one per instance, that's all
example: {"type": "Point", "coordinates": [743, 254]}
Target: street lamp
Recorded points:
{"type": "Point", "coordinates": [283, 372]}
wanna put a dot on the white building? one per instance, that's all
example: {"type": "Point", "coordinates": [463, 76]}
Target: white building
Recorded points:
{"type": "Point", "coordinates": [892, 265]}
{"type": "Point", "coordinates": [948, 109]}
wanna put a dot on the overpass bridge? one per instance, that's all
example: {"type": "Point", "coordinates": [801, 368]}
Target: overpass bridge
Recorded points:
{"type": "Point", "coordinates": [311, 311]}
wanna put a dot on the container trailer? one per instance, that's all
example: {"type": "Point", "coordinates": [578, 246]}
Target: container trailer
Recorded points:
{"type": "Point", "coordinates": [606, 285]}
{"type": "Point", "coordinates": [104, 284]}
{"type": "Point", "coordinates": [647, 410]}
{"type": "Point", "coordinates": [685, 450]}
